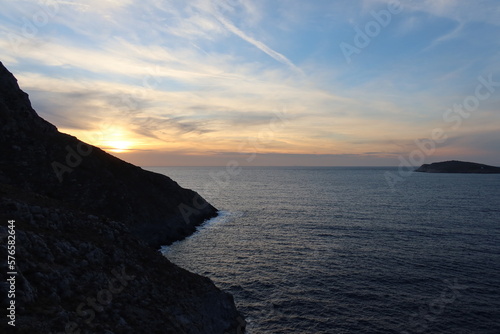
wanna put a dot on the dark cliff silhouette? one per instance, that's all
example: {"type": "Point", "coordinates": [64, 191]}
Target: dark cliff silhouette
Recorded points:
{"type": "Point", "coordinates": [458, 167]}
{"type": "Point", "coordinates": [87, 227]}
{"type": "Point", "coordinates": [37, 157]}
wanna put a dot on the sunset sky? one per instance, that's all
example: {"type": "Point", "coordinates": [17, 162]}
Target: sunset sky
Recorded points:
{"type": "Point", "coordinates": [290, 82]}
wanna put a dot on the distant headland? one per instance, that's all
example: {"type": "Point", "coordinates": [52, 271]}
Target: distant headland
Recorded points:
{"type": "Point", "coordinates": [458, 167]}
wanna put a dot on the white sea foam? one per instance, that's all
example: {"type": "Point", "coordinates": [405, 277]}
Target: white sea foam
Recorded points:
{"type": "Point", "coordinates": [221, 218]}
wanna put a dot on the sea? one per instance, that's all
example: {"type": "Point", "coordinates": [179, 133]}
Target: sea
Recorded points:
{"type": "Point", "coordinates": [344, 250]}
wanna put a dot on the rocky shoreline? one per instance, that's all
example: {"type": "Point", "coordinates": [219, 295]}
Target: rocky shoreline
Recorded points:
{"type": "Point", "coordinates": [88, 226]}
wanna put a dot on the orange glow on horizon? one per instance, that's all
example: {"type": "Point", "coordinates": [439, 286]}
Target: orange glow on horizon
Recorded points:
{"type": "Point", "coordinates": [118, 146]}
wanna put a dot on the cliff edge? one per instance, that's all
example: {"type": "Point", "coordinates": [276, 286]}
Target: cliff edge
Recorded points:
{"type": "Point", "coordinates": [37, 157]}
{"type": "Point", "coordinates": [86, 227]}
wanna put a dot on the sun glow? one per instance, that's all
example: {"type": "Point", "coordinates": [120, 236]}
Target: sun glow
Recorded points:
{"type": "Point", "coordinates": [114, 139]}
{"type": "Point", "coordinates": [118, 146]}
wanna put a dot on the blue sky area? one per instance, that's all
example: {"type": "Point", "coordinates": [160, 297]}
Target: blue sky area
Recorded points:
{"type": "Point", "coordinates": [359, 82]}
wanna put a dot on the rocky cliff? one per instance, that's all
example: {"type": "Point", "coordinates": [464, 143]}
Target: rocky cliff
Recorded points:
{"type": "Point", "coordinates": [87, 228]}
{"type": "Point", "coordinates": [458, 167]}
{"type": "Point", "coordinates": [37, 157]}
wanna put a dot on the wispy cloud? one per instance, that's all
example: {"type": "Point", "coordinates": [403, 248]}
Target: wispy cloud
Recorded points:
{"type": "Point", "coordinates": [485, 11]}
{"type": "Point", "coordinates": [206, 76]}
{"type": "Point", "coordinates": [258, 44]}
{"type": "Point", "coordinates": [447, 36]}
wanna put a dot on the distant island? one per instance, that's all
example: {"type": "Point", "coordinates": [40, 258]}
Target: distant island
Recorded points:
{"type": "Point", "coordinates": [458, 167]}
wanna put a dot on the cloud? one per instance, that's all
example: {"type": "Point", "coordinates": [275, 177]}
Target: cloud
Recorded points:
{"type": "Point", "coordinates": [486, 11]}
{"type": "Point", "coordinates": [212, 9]}
{"type": "Point", "coordinates": [261, 46]}
{"type": "Point", "coordinates": [153, 127]}
{"type": "Point", "coordinates": [455, 33]}
{"type": "Point", "coordinates": [177, 76]}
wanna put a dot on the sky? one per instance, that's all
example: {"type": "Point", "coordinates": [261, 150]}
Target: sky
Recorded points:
{"type": "Point", "coordinates": [276, 82]}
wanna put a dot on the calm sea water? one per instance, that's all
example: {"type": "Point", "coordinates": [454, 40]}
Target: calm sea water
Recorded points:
{"type": "Point", "coordinates": [334, 250]}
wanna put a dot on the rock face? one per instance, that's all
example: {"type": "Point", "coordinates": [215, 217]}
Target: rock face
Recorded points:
{"type": "Point", "coordinates": [87, 230]}
{"type": "Point", "coordinates": [79, 273]}
{"type": "Point", "coordinates": [458, 167]}
{"type": "Point", "coordinates": [37, 157]}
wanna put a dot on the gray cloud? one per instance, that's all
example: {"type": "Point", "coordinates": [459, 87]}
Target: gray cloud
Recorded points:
{"type": "Point", "coordinates": [153, 127]}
